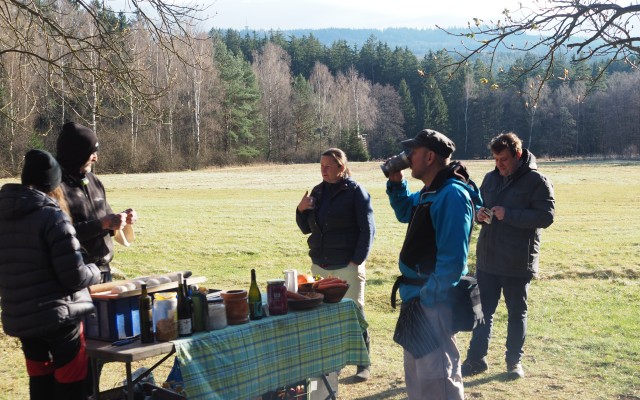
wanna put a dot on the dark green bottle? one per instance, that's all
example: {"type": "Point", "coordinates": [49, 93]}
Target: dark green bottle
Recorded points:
{"type": "Point", "coordinates": [199, 309]}
{"type": "Point", "coordinates": [146, 316]}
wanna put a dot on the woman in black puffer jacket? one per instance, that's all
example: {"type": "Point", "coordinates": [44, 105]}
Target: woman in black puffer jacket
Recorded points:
{"type": "Point", "coordinates": [43, 280]}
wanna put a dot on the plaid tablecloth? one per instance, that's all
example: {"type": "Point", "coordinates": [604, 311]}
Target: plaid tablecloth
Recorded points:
{"type": "Point", "coordinates": [242, 361]}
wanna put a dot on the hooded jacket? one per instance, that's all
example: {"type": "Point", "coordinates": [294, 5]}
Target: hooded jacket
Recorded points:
{"type": "Point", "coordinates": [43, 279]}
{"type": "Point", "coordinates": [511, 247]}
{"type": "Point", "coordinates": [436, 245]}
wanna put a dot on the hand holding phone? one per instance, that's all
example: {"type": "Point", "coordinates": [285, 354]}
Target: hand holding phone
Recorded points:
{"type": "Point", "coordinates": [488, 215]}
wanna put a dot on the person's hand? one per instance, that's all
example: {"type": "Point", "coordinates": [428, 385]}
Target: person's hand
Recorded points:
{"type": "Point", "coordinates": [498, 212]}
{"type": "Point", "coordinates": [307, 202]}
{"type": "Point", "coordinates": [114, 222]}
{"type": "Point", "coordinates": [396, 176]}
{"type": "Point", "coordinates": [132, 216]}
{"type": "Point", "coordinates": [481, 216]}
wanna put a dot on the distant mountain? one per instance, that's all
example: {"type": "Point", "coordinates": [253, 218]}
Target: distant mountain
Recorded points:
{"type": "Point", "coordinates": [419, 41]}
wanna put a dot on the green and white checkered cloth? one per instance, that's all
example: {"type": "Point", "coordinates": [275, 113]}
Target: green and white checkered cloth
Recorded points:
{"type": "Point", "coordinates": [244, 361]}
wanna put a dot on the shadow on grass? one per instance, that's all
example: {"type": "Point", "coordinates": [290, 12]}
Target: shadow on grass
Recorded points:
{"type": "Point", "coordinates": [486, 378]}
{"type": "Point", "coordinates": [384, 395]}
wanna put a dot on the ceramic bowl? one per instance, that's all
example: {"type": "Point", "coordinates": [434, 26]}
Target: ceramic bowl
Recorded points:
{"type": "Point", "coordinates": [334, 294]}
{"type": "Point", "coordinates": [314, 300]}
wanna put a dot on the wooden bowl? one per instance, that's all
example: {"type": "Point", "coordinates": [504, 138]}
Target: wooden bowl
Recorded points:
{"type": "Point", "coordinates": [314, 300]}
{"type": "Point", "coordinates": [305, 287]}
{"type": "Point", "coordinates": [334, 294]}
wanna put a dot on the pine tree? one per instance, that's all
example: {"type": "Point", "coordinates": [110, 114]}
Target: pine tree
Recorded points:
{"type": "Point", "coordinates": [239, 109]}
{"type": "Point", "coordinates": [408, 109]}
{"type": "Point", "coordinates": [436, 115]}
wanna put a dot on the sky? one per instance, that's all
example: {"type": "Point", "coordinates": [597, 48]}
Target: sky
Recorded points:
{"type": "Point", "coordinates": [378, 14]}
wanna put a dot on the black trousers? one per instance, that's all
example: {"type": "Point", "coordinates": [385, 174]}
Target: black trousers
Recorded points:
{"type": "Point", "coordinates": [515, 291]}
{"type": "Point", "coordinates": [57, 364]}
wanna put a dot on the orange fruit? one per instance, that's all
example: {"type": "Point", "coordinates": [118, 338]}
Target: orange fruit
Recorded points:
{"type": "Point", "coordinates": [304, 278]}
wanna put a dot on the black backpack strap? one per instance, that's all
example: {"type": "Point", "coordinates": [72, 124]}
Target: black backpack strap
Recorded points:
{"type": "Point", "coordinates": [408, 281]}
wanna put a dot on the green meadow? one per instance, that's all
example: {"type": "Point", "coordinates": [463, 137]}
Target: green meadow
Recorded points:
{"type": "Point", "coordinates": [584, 319]}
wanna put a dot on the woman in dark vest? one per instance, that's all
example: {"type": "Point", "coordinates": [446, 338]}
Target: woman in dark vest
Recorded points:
{"type": "Point", "coordinates": [339, 217]}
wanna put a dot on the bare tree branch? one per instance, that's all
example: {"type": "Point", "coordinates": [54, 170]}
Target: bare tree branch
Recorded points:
{"type": "Point", "coordinates": [585, 28]}
{"type": "Point", "coordinates": [78, 40]}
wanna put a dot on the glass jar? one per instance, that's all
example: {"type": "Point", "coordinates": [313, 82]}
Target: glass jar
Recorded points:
{"type": "Point", "coordinates": [217, 314]}
{"type": "Point", "coordinates": [237, 306]}
{"type": "Point", "coordinates": [165, 316]}
{"type": "Point", "coordinates": [277, 297]}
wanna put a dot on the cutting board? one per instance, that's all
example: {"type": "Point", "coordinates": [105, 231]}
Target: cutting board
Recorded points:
{"type": "Point", "coordinates": [106, 294]}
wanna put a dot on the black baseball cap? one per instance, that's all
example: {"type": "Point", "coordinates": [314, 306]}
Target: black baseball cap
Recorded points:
{"type": "Point", "coordinates": [433, 140]}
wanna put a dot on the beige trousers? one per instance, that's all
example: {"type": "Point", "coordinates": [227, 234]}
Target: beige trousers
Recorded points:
{"type": "Point", "coordinates": [437, 375]}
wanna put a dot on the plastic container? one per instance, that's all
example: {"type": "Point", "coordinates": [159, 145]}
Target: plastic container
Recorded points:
{"type": "Point", "coordinates": [165, 316]}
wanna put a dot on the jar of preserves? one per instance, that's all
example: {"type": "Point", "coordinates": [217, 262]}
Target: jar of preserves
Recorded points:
{"type": "Point", "coordinates": [277, 297]}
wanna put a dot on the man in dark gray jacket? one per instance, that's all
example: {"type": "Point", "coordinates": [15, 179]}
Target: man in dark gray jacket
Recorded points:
{"type": "Point", "coordinates": [518, 203]}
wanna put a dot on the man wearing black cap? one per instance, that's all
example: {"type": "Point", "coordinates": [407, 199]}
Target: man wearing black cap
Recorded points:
{"type": "Point", "coordinates": [95, 222]}
{"type": "Point", "coordinates": [432, 260]}
{"type": "Point", "coordinates": [43, 281]}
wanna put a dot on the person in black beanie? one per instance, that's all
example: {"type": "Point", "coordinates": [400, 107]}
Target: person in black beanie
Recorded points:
{"type": "Point", "coordinates": [95, 222]}
{"type": "Point", "coordinates": [44, 281]}
{"type": "Point", "coordinates": [41, 171]}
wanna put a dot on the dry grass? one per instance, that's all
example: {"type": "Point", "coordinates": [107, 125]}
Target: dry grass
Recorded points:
{"type": "Point", "coordinates": [583, 333]}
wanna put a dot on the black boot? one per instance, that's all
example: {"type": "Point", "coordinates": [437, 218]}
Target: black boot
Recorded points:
{"type": "Point", "coordinates": [41, 387]}
{"type": "Point", "coordinates": [364, 371]}
{"type": "Point", "coordinates": [70, 391]}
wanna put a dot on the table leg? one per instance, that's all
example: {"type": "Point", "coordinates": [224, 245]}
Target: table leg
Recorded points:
{"type": "Point", "coordinates": [150, 370]}
{"type": "Point", "coordinates": [130, 394]}
{"type": "Point", "coordinates": [96, 378]}
{"type": "Point", "coordinates": [332, 394]}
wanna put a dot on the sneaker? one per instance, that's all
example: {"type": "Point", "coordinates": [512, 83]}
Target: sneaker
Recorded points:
{"type": "Point", "coordinates": [471, 367]}
{"type": "Point", "coordinates": [363, 373]}
{"type": "Point", "coordinates": [515, 371]}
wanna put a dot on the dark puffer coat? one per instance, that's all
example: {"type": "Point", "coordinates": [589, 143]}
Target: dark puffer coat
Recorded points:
{"type": "Point", "coordinates": [43, 280]}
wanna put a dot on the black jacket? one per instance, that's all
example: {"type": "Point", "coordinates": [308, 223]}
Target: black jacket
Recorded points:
{"type": "Point", "coordinates": [88, 205]}
{"type": "Point", "coordinates": [43, 280]}
{"type": "Point", "coordinates": [348, 227]}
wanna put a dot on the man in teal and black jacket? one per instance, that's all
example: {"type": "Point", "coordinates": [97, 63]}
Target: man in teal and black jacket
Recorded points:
{"type": "Point", "coordinates": [432, 260]}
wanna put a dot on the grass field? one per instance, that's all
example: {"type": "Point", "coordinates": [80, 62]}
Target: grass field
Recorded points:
{"type": "Point", "coordinates": [584, 324]}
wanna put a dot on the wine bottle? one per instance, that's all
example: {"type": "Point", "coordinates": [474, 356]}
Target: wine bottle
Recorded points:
{"type": "Point", "coordinates": [146, 316]}
{"type": "Point", "coordinates": [255, 298]}
{"type": "Point", "coordinates": [185, 324]}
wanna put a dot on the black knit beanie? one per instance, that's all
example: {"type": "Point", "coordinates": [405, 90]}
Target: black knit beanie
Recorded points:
{"type": "Point", "coordinates": [76, 143]}
{"type": "Point", "coordinates": [41, 170]}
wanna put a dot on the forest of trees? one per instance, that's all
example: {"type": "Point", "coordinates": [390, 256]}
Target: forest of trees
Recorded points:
{"type": "Point", "coordinates": [263, 97]}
